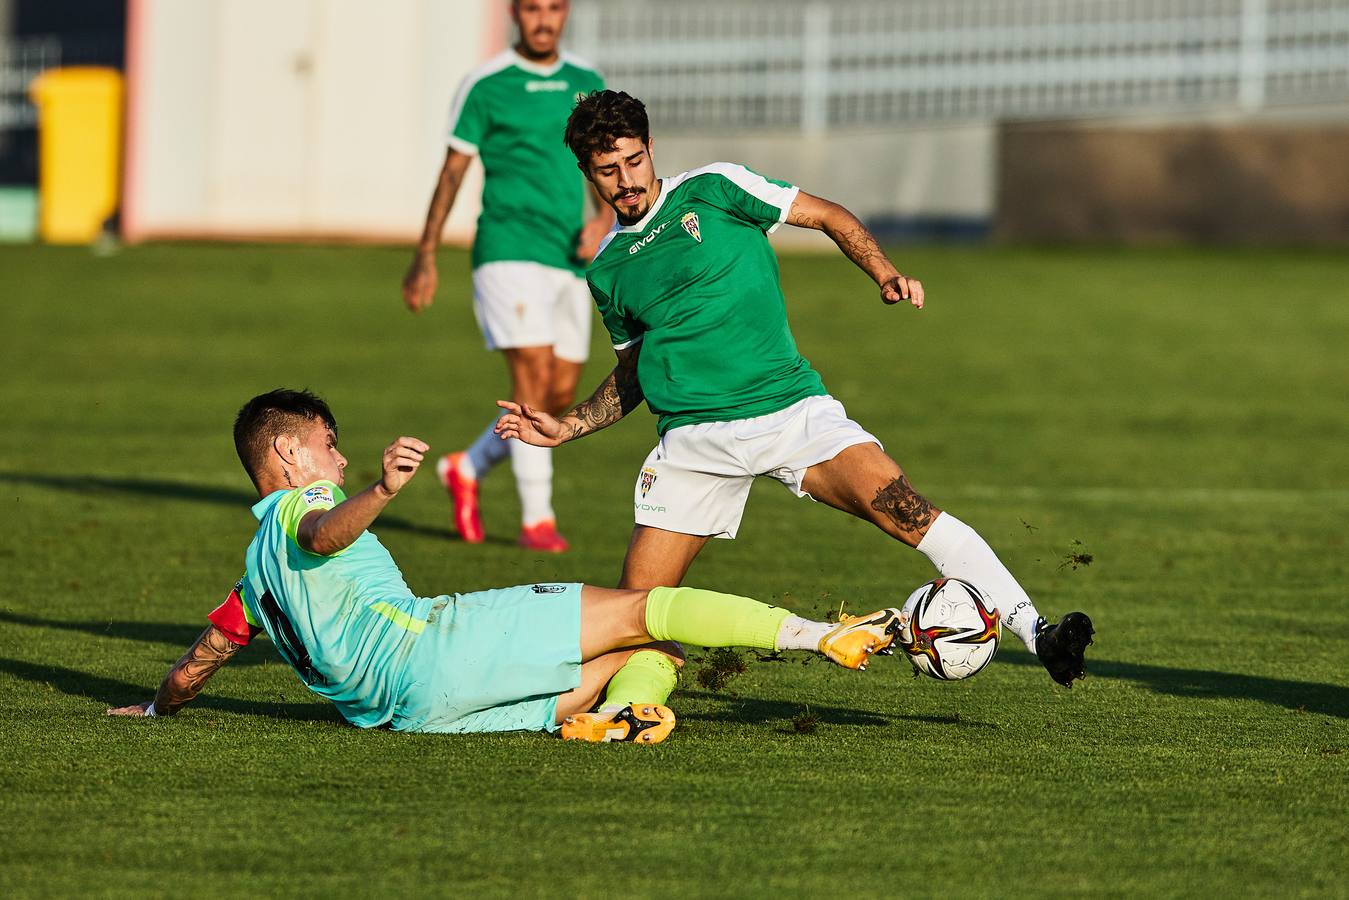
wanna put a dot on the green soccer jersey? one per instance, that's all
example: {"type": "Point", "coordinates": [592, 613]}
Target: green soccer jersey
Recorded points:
{"type": "Point", "coordinates": [346, 623]}
{"type": "Point", "coordinates": [512, 113]}
{"type": "Point", "coordinates": [697, 283]}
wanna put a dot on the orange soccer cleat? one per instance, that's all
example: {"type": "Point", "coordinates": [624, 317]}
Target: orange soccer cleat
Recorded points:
{"type": "Point", "coordinates": [639, 723]}
{"type": "Point", "coordinates": [463, 496]}
{"type": "Point", "coordinates": [543, 537]}
{"type": "Point", "coordinates": [856, 638]}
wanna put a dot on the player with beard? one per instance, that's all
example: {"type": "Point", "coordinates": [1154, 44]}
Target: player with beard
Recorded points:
{"type": "Point", "coordinates": [687, 286]}
{"type": "Point", "coordinates": [531, 246]}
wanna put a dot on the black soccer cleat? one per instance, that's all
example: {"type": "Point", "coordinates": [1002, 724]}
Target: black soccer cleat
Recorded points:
{"type": "Point", "coordinates": [1061, 647]}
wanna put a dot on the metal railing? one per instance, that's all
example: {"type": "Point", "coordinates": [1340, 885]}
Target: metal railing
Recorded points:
{"type": "Point", "coordinates": [812, 64]}
{"type": "Point", "coordinates": [20, 62]}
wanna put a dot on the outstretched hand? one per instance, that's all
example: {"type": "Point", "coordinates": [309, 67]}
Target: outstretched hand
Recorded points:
{"type": "Point", "coordinates": [401, 460]}
{"type": "Point", "coordinates": [136, 709]}
{"type": "Point", "coordinates": [529, 425]}
{"type": "Point", "coordinates": [901, 288]}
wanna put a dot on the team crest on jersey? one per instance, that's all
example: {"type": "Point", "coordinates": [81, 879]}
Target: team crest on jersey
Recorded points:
{"type": "Point", "coordinates": [690, 223]}
{"type": "Point", "coordinates": [648, 478]}
{"type": "Point", "coordinates": [317, 495]}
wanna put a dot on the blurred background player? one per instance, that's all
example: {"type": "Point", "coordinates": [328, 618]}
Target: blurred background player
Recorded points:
{"type": "Point", "coordinates": [531, 246]}
{"type": "Point", "coordinates": [710, 351]}
{"type": "Point", "coordinates": [527, 658]}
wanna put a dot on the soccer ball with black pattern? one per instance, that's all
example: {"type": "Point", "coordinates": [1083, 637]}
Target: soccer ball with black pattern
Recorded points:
{"type": "Point", "coordinates": [950, 629]}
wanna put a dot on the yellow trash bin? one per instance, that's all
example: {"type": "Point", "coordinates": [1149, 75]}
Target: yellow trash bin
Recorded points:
{"type": "Point", "coordinates": [79, 151]}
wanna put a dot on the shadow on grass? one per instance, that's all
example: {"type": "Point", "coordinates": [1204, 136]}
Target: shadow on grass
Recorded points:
{"type": "Point", "coordinates": [1302, 696]}
{"type": "Point", "coordinates": [112, 693]}
{"type": "Point", "coordinates": [171, 633]}
{"type": "Point", "coordinates": [757, 711]}
{"type": "Point", "coordinates": [196, 493]}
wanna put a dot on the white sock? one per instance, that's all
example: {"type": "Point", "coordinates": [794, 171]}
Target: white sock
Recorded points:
{"type": "Point", "coordinates": [958, 552]}
{"type": "Point", "coordinates": [484, 453]}
{"type": "Point", "coordinates": [797, 633]}
{"type": "Point", "coordinates": [533, 480]}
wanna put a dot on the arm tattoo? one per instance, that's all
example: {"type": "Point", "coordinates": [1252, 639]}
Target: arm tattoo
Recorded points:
{"type": "Point", "coordinates": [619, 394]}
{"type": "Point", "coordinates": [803, 220]}
{"type": "Point", "coordinates": [208, 653]}
{"type": "Point", "coordinates": [858, 245]}
{"type": "Point", "coordinates": [904, 506]}
{"type": "Point", "coordinates": [846, 230]}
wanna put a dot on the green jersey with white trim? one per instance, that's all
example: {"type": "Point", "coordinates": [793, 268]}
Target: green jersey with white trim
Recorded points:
{"type": "Point", "coordinates": [696, 282]}
{"type": "Point", "coordinates": [347, 622]}
{"type": "Point", "coordinates": [512, 113]}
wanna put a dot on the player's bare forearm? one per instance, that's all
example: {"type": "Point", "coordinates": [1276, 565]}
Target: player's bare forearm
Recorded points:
{"type": "Point", "coordinates": [330, 531]}
{"type": "Point", "coordinates": [326, 532]}
{"type": "Point", "coordinates": [846, 230]}
{"type": "Point", "coordinates": [857, 243]}
{"type": "Point", "coordinates": [442, 200]}
{"type": "Point", "coordinates": [203, 659]}
{"type": "Point", "coordinates": [421, 280]}
{"type": "Point", "coordinates": [618, 394]}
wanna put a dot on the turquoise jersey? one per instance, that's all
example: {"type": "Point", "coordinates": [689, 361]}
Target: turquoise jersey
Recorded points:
{"type": "Point", "coordinates": [346, 623]}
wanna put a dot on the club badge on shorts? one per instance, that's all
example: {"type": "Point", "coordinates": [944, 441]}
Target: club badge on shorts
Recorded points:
{"type": "Point", "coordinates": [690, 223]}
{"type": "Point", "coordinates": [647, 479]}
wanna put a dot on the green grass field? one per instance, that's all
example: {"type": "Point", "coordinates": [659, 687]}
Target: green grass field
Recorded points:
{"type": "Point", "coordinates": [1180, 416]}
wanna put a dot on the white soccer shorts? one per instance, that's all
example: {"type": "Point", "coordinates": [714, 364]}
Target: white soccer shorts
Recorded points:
{"type": "Point", "coordinates": [697, 479]}
{"type": "Point", "coordinates": [528, 304]}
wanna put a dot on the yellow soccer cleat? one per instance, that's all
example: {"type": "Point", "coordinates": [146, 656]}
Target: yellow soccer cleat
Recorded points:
{"type": "Point", "coordinates": [853, 641]}
{"type": "Point", "coordinates": [639, 723]}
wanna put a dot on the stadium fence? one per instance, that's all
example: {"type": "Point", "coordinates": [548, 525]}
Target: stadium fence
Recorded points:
{"type": "Point", "coordinates": [744, 64]}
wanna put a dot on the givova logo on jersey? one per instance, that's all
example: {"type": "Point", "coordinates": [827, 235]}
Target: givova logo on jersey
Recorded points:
{"type": "Point", "coordinates": [650, 236]}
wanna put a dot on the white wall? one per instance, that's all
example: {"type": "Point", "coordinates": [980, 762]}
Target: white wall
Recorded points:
{"type": "Point", "coordinates": [251, 118]}
{"type": "Point", "coordinates": [915, 173]}
{"type": "Point", "coordinates": [327, 118]}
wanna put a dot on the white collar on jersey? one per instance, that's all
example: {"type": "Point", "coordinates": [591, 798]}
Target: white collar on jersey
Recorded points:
{"type": "Point", "coordinates": [534, 68]}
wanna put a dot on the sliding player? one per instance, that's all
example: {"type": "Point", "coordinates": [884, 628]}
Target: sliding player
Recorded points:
{"type": "Point", "coordinates": [687, 285]}
{"type": "Point", "coordinates": [533, 657]}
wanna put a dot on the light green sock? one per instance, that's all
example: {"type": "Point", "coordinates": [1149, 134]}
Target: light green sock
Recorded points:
{"type": "Point", "coordinates": [709, 619]}
{"type": "Point", "coordinates": [648, 676]}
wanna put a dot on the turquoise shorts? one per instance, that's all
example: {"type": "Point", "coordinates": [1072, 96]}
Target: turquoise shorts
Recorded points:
{"type": "Point", "coordinates": [493, 661]}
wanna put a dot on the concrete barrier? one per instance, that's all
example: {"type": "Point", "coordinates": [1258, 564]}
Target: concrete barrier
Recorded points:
{"type": "Point", "coordinates": [1235, 184]}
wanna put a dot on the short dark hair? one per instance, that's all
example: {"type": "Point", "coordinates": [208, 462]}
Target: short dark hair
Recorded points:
{"type": "Point", "coordinates": [600, 119]}
{"type": "Point", "coordinates": [269, 415]}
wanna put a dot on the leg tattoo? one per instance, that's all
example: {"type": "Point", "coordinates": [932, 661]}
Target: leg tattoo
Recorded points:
{"type": "Point", "coordinates": [904, 506]}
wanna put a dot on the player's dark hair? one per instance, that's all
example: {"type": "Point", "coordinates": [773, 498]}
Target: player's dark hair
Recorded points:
{"type": "Point", "coordinates": [269, 415]}
{"type": "Point", "coordinates": [600, 119]}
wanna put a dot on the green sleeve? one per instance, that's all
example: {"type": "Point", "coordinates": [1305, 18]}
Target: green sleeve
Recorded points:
{"type": "Point", "coordinates": [321, 495]}
{"type": "Point", "coordinates": [469, 118]}
{"type": "Point", "coordinates": [750, 197]}
{"type": "Point", "coordinates": [624, 331]}
{"type": "Point", "coordinates": [248, 613]}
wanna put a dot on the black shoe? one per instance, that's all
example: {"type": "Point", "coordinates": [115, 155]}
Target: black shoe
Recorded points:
{"type": "Point", "coordinates": [1060, 647]}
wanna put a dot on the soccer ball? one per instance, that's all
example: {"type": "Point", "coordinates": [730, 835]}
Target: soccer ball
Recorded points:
{"type": "Point", "coordinates": [950, 629]}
